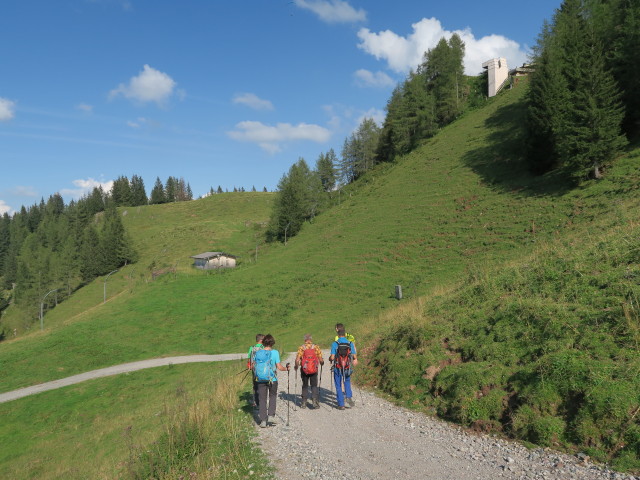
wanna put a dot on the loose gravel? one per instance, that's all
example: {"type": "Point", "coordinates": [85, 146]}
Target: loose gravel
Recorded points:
{"type": "Point", "coordinates": [377, 439]}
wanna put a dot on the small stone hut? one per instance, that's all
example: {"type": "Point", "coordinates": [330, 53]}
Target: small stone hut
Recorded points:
{"type": "Point", "coordinates": [210, 260]}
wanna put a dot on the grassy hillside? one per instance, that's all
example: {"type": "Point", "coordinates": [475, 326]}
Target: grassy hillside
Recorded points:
{"type": "Point", "coordinates": [418, 223]}
{"type": "Point", "coordinates": [457, 205]}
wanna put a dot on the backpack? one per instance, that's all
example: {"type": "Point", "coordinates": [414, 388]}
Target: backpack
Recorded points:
{"type": "Point", "coordinates": [342, 359]}
{"type": "Point", "coordinates": [252, 358]}
{"type": "Point", "coordinates": [309, 361]}
{"type": "Point", "coordinates": [262, 369]}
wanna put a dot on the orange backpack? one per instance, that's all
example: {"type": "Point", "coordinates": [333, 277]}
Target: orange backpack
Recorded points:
{"type": "Point", "coordinates": [310, 361]}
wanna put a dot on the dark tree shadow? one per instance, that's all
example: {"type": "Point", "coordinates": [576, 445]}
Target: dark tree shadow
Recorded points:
{"type": "Point", "coordinates": [502, 160]}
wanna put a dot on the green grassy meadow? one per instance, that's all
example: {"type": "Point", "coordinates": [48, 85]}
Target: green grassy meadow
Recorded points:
{"type": "Point", "coordinates": [456, 208]}
{"type": "Point", "coordinates": [109, 428]}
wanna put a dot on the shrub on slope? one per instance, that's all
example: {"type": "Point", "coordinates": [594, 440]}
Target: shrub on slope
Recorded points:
{"type": "Point", "coordinates": [545, 350]}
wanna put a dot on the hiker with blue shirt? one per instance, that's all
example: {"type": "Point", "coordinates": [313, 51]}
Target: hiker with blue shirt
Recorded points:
{"type": "Point", "coordinates": [267, 361]}
{"type": "Point", "coordinates": [344, 358]}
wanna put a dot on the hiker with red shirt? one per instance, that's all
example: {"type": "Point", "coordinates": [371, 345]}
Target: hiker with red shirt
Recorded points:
{"type": "Point", "coordinates": [309, 359]}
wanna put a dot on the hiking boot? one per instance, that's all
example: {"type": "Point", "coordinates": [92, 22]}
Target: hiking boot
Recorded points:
{"type": "Point", "coordinates": [316, 404]}
{"type": "Point", "coordinates": [351, 402]}
{"type": "Point", "coordinates": [272, 420]}
{"type": "Point", "coordinates": [303, 404]}
{"type": "Point", "coordinates": [340, 407]}
{"type": "Point", "coordinates": [263, 424]}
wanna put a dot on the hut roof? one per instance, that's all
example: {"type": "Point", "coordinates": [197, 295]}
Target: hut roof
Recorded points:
{"type": "Point", "coordinates": [209, 255]}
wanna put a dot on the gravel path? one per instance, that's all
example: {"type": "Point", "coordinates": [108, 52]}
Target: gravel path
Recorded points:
{"type": "Point", "coordinates": [377, 439]}
{"type": "Point", "coordinates": [115, 370]}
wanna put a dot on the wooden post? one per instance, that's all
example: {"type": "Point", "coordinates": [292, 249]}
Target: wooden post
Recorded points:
{"type": "Point", "coordinates": [398, 292]}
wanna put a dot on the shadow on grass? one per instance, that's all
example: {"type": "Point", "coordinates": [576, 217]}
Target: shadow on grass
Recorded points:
{"type": "Point", "coordinates": [502, 163]}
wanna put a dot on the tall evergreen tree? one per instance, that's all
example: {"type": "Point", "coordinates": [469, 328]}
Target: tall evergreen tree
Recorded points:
{"type": "Point", "coordinates": [300, 197]}
{"type": "Point", "coordinates": [326, 168]}
{"type": "Point", "coordinates": [575, 114]}
{"type": "Point", "coordinates": [138, 192]}
{"type": "Point", "coordinates": [157, 193]}
{"type": "Point", "coordinates": [121, 192]}
{"type": "Point", "coordinates": [171, 189]}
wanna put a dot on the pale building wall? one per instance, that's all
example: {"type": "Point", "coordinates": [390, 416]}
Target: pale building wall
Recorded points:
{"type": "Point", "coordinates": [498, 72]}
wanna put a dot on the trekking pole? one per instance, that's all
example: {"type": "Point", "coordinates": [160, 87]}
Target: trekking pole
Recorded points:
{"type": "Point", "coordinates": [295, 390]}
{"type": "Point", "coordinates": [331, 381]}
{"type": "Point", "coordinates": [288, 395]}
{"type": "Point", "coordinates": [245, 376]}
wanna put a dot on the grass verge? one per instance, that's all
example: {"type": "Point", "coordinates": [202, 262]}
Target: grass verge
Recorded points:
{"type": "Point", "coordinates": [167, 422]}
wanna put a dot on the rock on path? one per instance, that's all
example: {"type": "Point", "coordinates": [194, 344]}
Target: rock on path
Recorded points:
{"type": "Point", "coordinates": [377, 439]}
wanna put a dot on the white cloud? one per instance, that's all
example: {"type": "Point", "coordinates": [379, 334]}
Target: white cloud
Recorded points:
{"type": "Point", "coordinates": [333, 11]}
{"type": "Point", "coordinates": [150, 85]}
{"type": "Point", "coordinates": [85, 107]}
{"type": "Point", "coordinates": [4, 208]}
{"type": "Point", "coordinates": [270, 137]}
{"type": "Point", "coordinates": [253, 101]}
{"type": "Point", "coordinates": [405, 53]}
{"type": "Point", "coordinates": [84, 187]}
{"type": "Point", "coordinates": [7, 109]}
{"type": "Point", "coordinates": [365, 78]}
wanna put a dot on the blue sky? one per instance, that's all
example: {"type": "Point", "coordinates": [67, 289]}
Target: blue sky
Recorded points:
{"type": "Point", "coordinates": [226, 93]}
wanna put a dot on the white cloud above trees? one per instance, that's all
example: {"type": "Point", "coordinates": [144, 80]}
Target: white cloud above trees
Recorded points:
{"type": "Point", "coordinates": [333, 11]}
{"type": "Point", "coordinates": [4, 208]}
{"type": "Point", "coordinates": [403, 53]}
{"type": "Point", "coordinates": [150, 85]}
{"type": "Point", "coordinates": [271, 137]}
{"type": "Point", "coordinates": [7, 109]}
{"type": "Point", "coordinates": [85, 186]}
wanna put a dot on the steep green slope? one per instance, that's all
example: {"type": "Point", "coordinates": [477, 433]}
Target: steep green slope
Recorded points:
{"type": "Point", "coordinates": [459, 201]}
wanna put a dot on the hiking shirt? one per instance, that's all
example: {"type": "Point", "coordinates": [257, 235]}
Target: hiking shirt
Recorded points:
{"type": "Point", "coordinates": [275, 359]}
{"type": "Point", "coordinates": [348, 336]}
{"type": "Point", "coordinates": [304, 347]}
{"type": "Point", "coordinates": [334, 346]}
{"type": "Point", "coordinates": [257, 346]}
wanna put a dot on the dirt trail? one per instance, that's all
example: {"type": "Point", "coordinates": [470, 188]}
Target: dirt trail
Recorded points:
{"type": "Point", "coordinates": [378, 440]}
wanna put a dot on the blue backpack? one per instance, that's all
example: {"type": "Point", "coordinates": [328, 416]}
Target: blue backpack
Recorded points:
{"type": "Point", "coordinates": [263, 371]}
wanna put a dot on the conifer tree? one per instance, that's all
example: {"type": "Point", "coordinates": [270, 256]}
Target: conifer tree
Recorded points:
{"type": "Point", "coordinates": [300, 197]}
{"type": "Point", "coordinates": [157, 193]}
{"type": "Point", "coordinates": [121, 192]}
{"type": "Point", "coordinates": [171, 189]}
{"type": "Point", "coordinates": [138, 192]}
{"type": "Point", "coordinates": [326, 168]}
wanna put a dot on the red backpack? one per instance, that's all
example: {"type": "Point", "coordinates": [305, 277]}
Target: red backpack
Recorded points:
{"type": "Point", "coordinates": [309, 360]}
{"type": "Point", "coordinates": [342, 360]}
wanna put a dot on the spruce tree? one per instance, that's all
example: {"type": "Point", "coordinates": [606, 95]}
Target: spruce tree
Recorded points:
{"type": "Point", "coordinates": [157, 193]}
{"type": "Point", "coordinates": [121, 192]}
{"type": "Point", "coordinates": [138, 192]}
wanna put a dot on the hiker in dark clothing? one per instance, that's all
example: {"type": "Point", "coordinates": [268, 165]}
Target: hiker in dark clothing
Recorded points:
{"type": "Point", "coordinates": [344, 358]}
{"type": "Point", "coordinates": [309, 357]}
{"type": "Point", "coordinates": [250, 360]}
{"type": "Point", "coordinates": [267, 361]}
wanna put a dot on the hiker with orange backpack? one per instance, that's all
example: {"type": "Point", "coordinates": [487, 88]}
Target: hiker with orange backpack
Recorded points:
{"type": "Point", "coordinates": [309, 359]}
{"type": "Point", "coordinates": [344, 358]}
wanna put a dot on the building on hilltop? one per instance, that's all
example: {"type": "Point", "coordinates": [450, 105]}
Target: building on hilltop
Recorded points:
{"type": "Point", "coordinates": [211, 260]}
{"type": "Point", "coordinates": [498, 74]}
